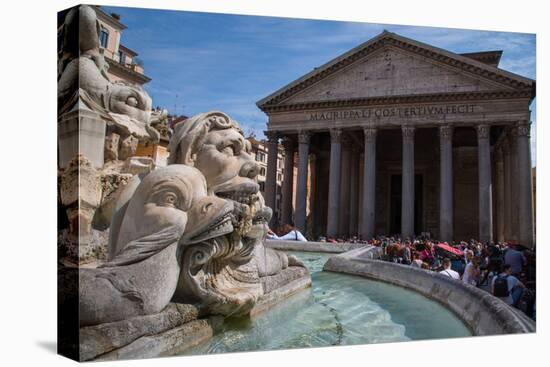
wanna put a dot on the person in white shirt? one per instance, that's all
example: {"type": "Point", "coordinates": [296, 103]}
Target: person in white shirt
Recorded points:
{"type": "Point", "coordinates": [292, 235]}
{"type": "Point", "coordinates": [447, 271]}
{"type": "Point", "coordinates": [471, 272]}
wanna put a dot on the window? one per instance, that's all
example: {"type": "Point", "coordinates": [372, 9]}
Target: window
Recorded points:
{"type": "Point", "coordinates": [262, 171]}
{"type": "Point", "coordinates": [122, 57]}
{"type": "Point", "coordinates": [260, 156]}
{"type": "Point", "coordinates": [262, 186]}
{"type": "Point", "coordinates": [104, 37]}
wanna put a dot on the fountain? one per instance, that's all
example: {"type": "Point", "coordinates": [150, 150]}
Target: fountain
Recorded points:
{"type": "Point", "coordinates": [184, 267]}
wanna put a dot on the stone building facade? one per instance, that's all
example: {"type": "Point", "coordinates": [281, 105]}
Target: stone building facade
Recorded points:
{"type": "Point", "coordinates": [401, 137]}
{"type": "Point", "coordinates": [260, 153]}
{"type": "Point", "coordinates": [123, 62]}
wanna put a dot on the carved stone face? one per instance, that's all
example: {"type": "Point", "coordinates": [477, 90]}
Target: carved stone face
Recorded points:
{"type": "Point", "coordinates": [174, 198]}
{"type": "Point", "coordinates": [225, 161]}
{"type": "Point", "coordinates": [130, 101]}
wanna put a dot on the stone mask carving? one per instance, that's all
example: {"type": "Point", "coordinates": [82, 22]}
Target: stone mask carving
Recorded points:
{"type": "Point", "coordinates": [169, 211]}
{"type": "Point", "coordinates": [214, 144]}
{"type": "Point", "coordinates": [229, 282]}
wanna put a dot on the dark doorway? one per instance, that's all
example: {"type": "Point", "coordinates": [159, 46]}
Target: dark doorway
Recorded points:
{"type": "Point", "coordinates": [395, 204]}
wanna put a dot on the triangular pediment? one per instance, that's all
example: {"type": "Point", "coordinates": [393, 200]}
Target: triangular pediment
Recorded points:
{"type": "Point", "coordinates": [390, 65]}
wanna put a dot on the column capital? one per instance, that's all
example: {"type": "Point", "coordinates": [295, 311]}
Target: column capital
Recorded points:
{"type": "Point", "coordinates": [304, 136]}
{"type": "Point", "coordinates": [483, 131]}
{"type": "Point", "coordinates": [370, 133]}
{"type": "Point", "coordinates": [272, 136]}
{"type": "Point", "coordinates": [523, 129]}
{"type": "Point", "coordinates": [288, 143]}
{"type": "Point", "coordinates": [446, 132]}
{"type": "Point", "coordinates": [335, 135]}
{"type": "Point", "coordinates": [408, 131]}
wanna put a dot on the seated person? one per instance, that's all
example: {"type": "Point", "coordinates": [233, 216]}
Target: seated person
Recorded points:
{"type": "Point", "coordinates": [292, 234]}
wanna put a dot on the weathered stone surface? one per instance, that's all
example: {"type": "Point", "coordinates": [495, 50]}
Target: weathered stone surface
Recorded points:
{"type": "Point", "coordinates": [391, 72]}
{"type": "Point", "coordinates": [103, 338]}
{"type": "Point", "coordinates": [483, 313]}
{"type": "Point", "coordinates": [169, 209]}
{"type": "Point", "coordinates": [85, 251]}
{"type": "Point", "coordinates": [283, 291]}
{"type": "Point", "coordinates": [80, 193]}
{"type": "Point", "coordinates": [170, 342]}
{"type": "Point", "coordinates": [81, 132]}
{"type": "Point", "coordinates": [283, 277]}
{"type": "Point", "coordinates": [312, 246]}
{"type": "Point", "coordinates": [112, 142]}
{"type": "Point", "coordinates": [83, 82]}
{"type": "Point", "coordinates": [214, 143]}
{"type": "Point", "coordinates": [128, 147]}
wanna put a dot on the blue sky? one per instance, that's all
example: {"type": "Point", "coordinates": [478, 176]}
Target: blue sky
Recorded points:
{"type": "Point", "coordinates": [204, 61]}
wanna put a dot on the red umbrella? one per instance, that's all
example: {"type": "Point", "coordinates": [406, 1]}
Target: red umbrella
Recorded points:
{"type": "Point", "coordinates": [450, 249]}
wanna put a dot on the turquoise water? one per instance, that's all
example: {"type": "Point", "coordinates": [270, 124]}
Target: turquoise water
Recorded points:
{"type": "Point", "coordinates": [339, 309]}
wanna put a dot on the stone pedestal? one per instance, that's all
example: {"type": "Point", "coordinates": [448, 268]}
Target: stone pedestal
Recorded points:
{"type": "Point", "coordinates": [81, 132]}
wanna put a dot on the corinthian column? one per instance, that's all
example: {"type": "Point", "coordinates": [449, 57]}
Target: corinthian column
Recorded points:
{"type": "Point", "coordinates": [301, 190]}
{"type": "Point", "coordinates": [514, 184]}
{"type": "Point", "coordinates": [407, 189]}
{"type": "Point", "coordinates": [334, 182]}
{"type": "Point", "coordinates": [286, 208]}
{"type": "Point", "coordinates": [446, 183]}
{"type": "Point", "coordinates": [484, 177]}
{"type": "Point", "coordinates": [343, 223]}
{"type": "Point", "coordinates": [271, 176]}
{"type": "Point", "coordinates": [507, 190]}
{"type": "Point", "coordinates": [354, 191]}
{"type": "Point", "coordinates": [500, 193]}
{"type": "Point", "coordinates": [369, 184]}
{"type": "Point", "coordinates": [525, 185]}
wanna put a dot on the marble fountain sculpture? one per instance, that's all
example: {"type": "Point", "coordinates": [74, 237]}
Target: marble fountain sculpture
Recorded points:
{"type": "Point", "coordinates": [155, 259]}
{"type": "Point", "coordinates": [180, 247]}
{"type": "Point", "coordinates": [189, 234]}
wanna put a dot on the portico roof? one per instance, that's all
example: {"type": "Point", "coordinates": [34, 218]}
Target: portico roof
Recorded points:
{"type": "Point", "coordinates": [504, 81]}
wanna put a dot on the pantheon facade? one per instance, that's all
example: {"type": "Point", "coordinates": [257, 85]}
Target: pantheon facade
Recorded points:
{"type": "Point", "coordinates": [400, 137]}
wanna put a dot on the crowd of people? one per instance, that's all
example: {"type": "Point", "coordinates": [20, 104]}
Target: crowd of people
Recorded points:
{"type": "Point", "coordinates": [506, 270]}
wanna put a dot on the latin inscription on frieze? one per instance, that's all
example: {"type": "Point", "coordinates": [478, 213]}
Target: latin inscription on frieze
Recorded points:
{"type": "Point", "coordinates": [393, 112]}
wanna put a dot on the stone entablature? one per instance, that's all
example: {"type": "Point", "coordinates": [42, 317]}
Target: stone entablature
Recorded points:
{"type": "Point", "coordinates": [428, 114]}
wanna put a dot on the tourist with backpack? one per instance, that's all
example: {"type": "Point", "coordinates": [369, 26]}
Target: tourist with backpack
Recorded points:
{"type": "Point", "coordinates": [507, 287]}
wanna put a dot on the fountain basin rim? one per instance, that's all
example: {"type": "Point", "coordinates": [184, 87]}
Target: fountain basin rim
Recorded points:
{"type": "Point", "coordinates": [483, 313]}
